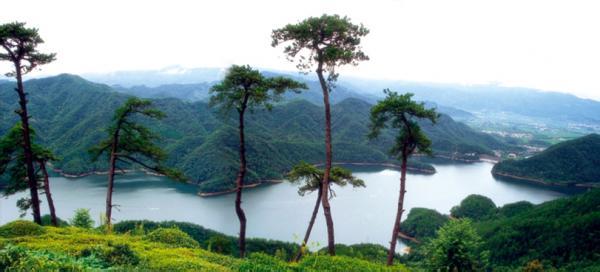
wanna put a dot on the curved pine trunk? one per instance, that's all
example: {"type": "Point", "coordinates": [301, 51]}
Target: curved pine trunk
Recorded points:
{"type": "Point", "coordinates": [49, 195]}
{"type": "Point", "coordinates": [240, 185]}
{"type": "Point", "coordinates": [27, 151]}
{"type": "Point", "coordinates": [328, 159]}
{"type": "Point", "coordinates": [111, 178]}
{"type": "Point", "coordinates": [392, 251]}
{"type": "Point", "coordinates": [310, 225]}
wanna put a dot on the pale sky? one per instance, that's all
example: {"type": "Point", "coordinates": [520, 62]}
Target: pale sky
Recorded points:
{"type": "Point", "coordinates": [545, 44]}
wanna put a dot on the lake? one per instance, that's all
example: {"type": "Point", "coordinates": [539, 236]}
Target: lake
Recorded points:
{"type": "Point", "coordinates": [362, 215]}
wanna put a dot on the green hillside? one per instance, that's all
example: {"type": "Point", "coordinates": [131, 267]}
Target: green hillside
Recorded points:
{"type": "Point", "coordinates": [562, 233]}
{"type": "Point", "coordinates": [568, 163]}
{"type": "Point", "coordinates": [69, 114]}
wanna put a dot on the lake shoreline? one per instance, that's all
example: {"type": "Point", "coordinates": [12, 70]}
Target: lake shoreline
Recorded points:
{"type": "Point", "coordinates": [544, 182]}
{"type": "Point", "coordinates": [254, 184]}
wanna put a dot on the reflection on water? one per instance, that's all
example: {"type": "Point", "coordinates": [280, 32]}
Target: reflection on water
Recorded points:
{"type": "Point", "coordinates": [362, 215]}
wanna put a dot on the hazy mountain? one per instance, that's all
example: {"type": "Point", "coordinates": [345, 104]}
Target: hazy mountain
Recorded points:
{"type": "Point", "coordinates": [490, 104]}
{"type": "Point", "coordinates": [70, 115]}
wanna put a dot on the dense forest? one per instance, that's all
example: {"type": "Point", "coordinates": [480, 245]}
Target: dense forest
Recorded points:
{"type": "Point", "coordinates": [563, 233]}
{"type": "Point", "coordinates": [573, 162]}
{"type": "Point", "coordinates": [72, 112]}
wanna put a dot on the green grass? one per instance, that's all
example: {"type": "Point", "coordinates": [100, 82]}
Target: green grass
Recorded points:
{"type": "Point", "coordinates": [76, 249]}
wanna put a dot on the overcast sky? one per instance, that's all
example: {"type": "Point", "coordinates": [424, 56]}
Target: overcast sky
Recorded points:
{"type": "Point", "coordinates": [550, 45]}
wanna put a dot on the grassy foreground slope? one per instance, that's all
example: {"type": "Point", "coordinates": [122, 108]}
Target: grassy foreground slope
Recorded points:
{"type": "Point", "coordinates": [25, 246]}
{"type": "Point", "coordinates": [568, 163]}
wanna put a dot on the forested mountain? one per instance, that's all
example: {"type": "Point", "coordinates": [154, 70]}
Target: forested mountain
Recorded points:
{"type": "Point", "coordinates": [571, 162]}
{"type": "Point", "coordinates": [70, 114]}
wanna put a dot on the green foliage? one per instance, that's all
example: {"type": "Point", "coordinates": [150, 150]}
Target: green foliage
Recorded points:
{"type": "Point", "coordinates": [47, 221]}
{"type": "Point", "coordinates": [456, 247]}
{"type": "Point", "coordinates": [422, 223]}
{"type": "Point", "coordinates": [475, 207]}
{"type": "Point", "coordinates": [400, 112]}
{"type": "Point", "coordinates": [570, 162]}
{"type": "Point", "coordinates": [368, 252]}
{"type": "Point", "coordinates": [220, 244]}
{"type": "Point", "coordinates": [172, 237]}
{"type": "Point", "coordinates": [244, 87]}
{"type": "Point", "coordinates": [21, 228]}
{"type": "Point", "coordinates": [564, 232]}
{"type": "Point", "coordinates": [260, 262]}
{"type": "Point", "coordinates": [112, 255]}
{"type": "Point", "coordinates": [135, 143]}
{"type": "Point", "coordinates": [16, 258]}
{"type": "Point", "coordinates": [328, 41]}
{"type": "Point", "coordinates": [205, 236]}
{"type": "Point", "coordinates": [12, 161]}
{"type": "Point", "coordinates": [512, 209]}
{"type": "Point", "coordinates": [82, 219]}
{"type": "Point", "coordinates": [316, 262]}
{"type": "Point", "coordinates": [21, 44]}
{"type": "Point", "coordinates": [311, 177]}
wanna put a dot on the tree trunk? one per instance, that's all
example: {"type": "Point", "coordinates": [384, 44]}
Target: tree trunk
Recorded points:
{"type": "Point", "coordinates": [328, 158]}
{"type": "Point", "coordinates": [31, 179]}
{"type": "Point", "coordinates": [111, 178]}
{"type": "Point", "coordinates": [310, 225]}
{"type": "Point", "coordinates": [392, 251]}
{"type": "Point", "coordinates": [240, 184]}
{"type": "Point", "coordinates": [49, 195]}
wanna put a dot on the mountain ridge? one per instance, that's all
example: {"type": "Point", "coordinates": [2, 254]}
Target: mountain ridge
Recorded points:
{"type": "Point", "coordinates": [70, 114]}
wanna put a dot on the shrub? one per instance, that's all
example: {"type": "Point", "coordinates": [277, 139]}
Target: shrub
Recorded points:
{"type": "Point", "coordinates": [422, 223]}
{"type": "Point", "coordinates": [16, 258]}
{"type": "Point", "coordinates": [260, 262]}
{"type": "Point", "coordinates": [82, 219]}
{"type": "Point", "coordinates": [369, 252]}
{"type": "Point", "coordinates": [47, 221]}
{"type": "Point", "coordinates": [512, 209]}
{"type": "Point", "coordinates": [220, 244]}
{"type": "Point", "coordinates": [21, 228]}
{"type": "Point", "coordinates": [172, 237]}
{"type": "Point", "coordinates": [475, 207]}
{"type": "Point", "coordinates": [324, 263]}
{"type": "Point", "coordinates": [457, 247]}
{"type": "Point", "coordinates": [120, 254]}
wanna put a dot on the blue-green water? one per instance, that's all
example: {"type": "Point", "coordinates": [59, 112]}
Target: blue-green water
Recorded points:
{"type": "Point", "coordinates": [362, 215]}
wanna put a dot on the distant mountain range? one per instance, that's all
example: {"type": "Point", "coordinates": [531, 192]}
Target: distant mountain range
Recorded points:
{"type": "Point", "coordinates": [485, 107]}
{"type": "Point", "coordinates": [70, 115]}
{"type": "Point", "coordinates": [574, 162]}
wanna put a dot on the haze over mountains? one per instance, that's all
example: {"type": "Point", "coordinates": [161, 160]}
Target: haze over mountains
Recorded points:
{"type": "Point", "coordinates": [488, 106]}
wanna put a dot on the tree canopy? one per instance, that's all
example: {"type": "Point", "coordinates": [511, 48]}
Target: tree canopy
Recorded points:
{"type": "Point", "coordinates": [21, 44]}
{"type": "Point", "coordinates": [244, 87]}
{"type": "Point", "coordinates": [310, 177]}
{"type": "Point", "coordinates": [135, 142]}
{"type": "Point", "coordinates": [399, 112]}
{"type": "Point", "coordinates": [12, 163]}
{"type": "Point", "coordinates": [456, 247]}
{"type": "Point", "coordinates": [330, 39]}
{"type": "Point", "coordinates": [475, 207]}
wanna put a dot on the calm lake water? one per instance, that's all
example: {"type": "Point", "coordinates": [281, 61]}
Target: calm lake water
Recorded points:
{"type": "Point", "coordinates": [363, 215]}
